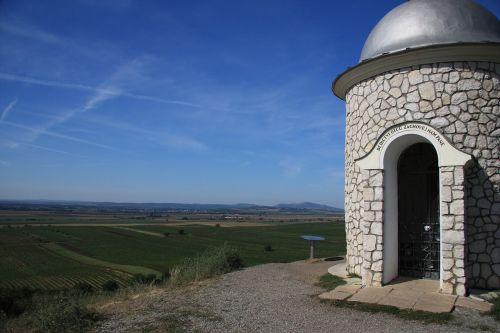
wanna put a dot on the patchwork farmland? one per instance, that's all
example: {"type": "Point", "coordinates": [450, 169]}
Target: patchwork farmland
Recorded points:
{"type": "Point", "coordinates": [59, 256]}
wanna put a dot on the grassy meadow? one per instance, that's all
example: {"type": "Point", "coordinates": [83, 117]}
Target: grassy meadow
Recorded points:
{"type": "Point", "coordinates": [56, 257]}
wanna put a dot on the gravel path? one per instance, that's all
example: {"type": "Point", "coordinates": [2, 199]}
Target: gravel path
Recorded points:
{"type": "Point", "coordinates": [266, 298]}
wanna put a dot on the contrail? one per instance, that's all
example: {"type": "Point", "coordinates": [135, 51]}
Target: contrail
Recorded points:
{"type": "Point", "coordinates": [7, 110]}
{"type": "Point", "coordinates": [77, 86]}
{"type": "Point", "coordinates": [38, 131]}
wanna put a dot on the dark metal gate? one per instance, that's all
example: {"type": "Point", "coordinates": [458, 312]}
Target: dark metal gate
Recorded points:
{"type": "Point", "coordinates": [418, 212]}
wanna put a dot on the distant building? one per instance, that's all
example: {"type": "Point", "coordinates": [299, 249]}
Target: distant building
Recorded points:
{"type": "Point", "coordinates": [422, 160]}
{"type": "Point", "coordinates": [233, 217]}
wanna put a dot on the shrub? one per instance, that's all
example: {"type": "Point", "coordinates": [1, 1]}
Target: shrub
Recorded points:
{"type": "Point", "coordinates": [146, 279]}
{"type": "Point", "coordinates": [83, 288]}
{"type": "Point", "coordinates": [212, 262]}
{"type": "Point", "coordinates": [110, 286]}
{"type": "Point", "coordinates": [60, 313]}
{"type": "Point", "coordinates": [166, 234]}
{"type": "Point", "coordinates": [138, 278]}
{"type": "Point", "coordinates": [268, 248]}
{"type": "Point", "coordinates": [181, 232]}
{"type": "Point", "coordinates": [495, 310]}
{"type": "Point", "coordinates": [3, 320]}
{"type": "Point", "coordinates": [165, 275]}
{"type": "Point", "coordinates": [217, 225]}
{"type": "Point", "coordinates": [13, 302]}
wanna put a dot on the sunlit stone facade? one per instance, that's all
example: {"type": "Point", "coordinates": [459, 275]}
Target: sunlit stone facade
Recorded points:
{"type": "Point", "coordinates": [461, 101]}
{"type": "Point", "coordinates": [442, 98]}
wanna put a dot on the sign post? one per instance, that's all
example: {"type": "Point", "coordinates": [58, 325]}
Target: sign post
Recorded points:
{"type": "Point", "coordinates": [312, 239]}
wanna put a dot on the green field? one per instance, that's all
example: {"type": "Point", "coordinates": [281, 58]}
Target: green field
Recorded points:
{"type": "Point", "coordinates": [57, 257]}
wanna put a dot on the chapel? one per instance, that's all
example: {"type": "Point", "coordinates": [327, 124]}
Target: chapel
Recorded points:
{"type": "Point", "coordinates": [422, 166]}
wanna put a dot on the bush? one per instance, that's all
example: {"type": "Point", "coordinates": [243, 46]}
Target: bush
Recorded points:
{"type": "Point", "coordinates": [181, 232]}
{"type": "Point", "coordinates": [165, 275]}
{"type": "Point", "coordinates": [83, 288]}
{"type": "Point", "coordinates": [166, 234]}
{"type": "Point", "coordinates": [217, 225]}
{"type": "Point", "coordinates": [212, 262]}
{"type": "Point", "coordinates": [13, 302]}
{"type": "Point", "coordinates": [60, 313]}
{"type": "Point", "coordinates": [268, 248]}
{"type": "Point", "coordinates": [145, 279]}
{"type": "Point", "coordinates": [495, 310]}
{"type": "Point", "coordinates": [110, 286]}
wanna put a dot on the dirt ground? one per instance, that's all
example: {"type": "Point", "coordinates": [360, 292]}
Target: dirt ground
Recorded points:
{"type": "Point", "coordinates": [265, 298]}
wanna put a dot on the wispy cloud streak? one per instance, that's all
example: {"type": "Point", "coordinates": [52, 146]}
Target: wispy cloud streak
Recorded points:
{"type": "Point", "coordinates": [27, 31]}
{"type": "Point", "coordinates": [49, 149]}
{"type": "Point", "coordinates": [39, 131]}
{"type": "Point", "coordinates": [82, 87]}
{"type": "Point", "coordinates": [291, 167]}
{"type": "Point", "coordinates": [7, 110]}
{"type": "Point", "coordinates": [111, 88]}
{"type": "Point", "coordinates": [163, 138]}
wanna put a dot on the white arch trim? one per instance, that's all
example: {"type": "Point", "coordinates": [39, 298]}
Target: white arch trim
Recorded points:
{"type": "Point", "coordinates": [413, 132]}
{"type": "Point", "coordinates": [385, 156]}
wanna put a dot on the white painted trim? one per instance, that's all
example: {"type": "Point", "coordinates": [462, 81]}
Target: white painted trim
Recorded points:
{"type": "Point", "coordinates": [385, 156]}
{"type": "Point", "coordinates": [447, 154]}
{"type": "Point", "coordinates": [489, 52]}
{"type": "Point", "coordinates": [440, 231]}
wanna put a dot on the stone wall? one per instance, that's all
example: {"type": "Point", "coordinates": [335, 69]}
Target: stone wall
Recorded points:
{"type": "Point", "coordinates": [372, 227]}
{"type": "Point", "coordinates": [452, 226]}
{"type": "Point", "coordinates": [462, 101]}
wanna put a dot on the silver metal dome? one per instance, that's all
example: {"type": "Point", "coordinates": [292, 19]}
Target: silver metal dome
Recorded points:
{"type": "Point", "coordinates": [420, 23]}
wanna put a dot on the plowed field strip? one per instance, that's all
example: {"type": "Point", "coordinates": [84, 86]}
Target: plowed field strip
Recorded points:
{"type": "Point", "coordinates": [58, 249]}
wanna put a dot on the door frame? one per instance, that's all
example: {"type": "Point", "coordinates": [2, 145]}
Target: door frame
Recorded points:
{"type": "Point", "coordinates": [431, 195]}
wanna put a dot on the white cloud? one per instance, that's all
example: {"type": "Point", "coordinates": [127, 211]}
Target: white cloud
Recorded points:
{"type": "Point", "coordinates": [28, 31]}
{"type": "Point", "coordinates": [38, 131]}
{"type": "Point", "coordinates": [14, 145]}
{"type": "Point", "coordinates": [7, 110]}
{"type": "Point", "coordinates": [111, 88]}
{"type": "Point", "coordinates": [163, 138]}
{"type": "Point", "coordinates": [182, 142]}
{"type": "Point", "coordinates": [291, 167]}
{"type": "Point", "coordinates": [104, 91]}
{"type": "Point", "coordinates": [9, 144]}
{"type": "Point", "coordinates": [20, 28]}
{"type": "Point", "coordinates": [49, 149]}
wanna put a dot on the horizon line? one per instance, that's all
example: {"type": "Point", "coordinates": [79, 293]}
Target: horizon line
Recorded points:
{"type": "Point", "coordinates": [172, 203]}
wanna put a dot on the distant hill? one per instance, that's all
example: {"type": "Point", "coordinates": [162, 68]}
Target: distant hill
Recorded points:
{"type": "Point", "coordinates": [33, 204]}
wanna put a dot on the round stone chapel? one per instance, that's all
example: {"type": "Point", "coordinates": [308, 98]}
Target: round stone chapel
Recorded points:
{"type": "Point", "coordinates": [422, 166]}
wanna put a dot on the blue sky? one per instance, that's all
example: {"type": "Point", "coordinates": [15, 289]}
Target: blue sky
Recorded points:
{"type": "Point", "coordinates": [177, 101]}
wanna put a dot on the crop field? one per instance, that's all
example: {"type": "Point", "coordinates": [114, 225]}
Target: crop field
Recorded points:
{"type": "Point", "coordinates": [57, 217]}
{"type": "Point", "coordinates": [26, 262]}
{"type": "Point", "coordinates": [56, 257]}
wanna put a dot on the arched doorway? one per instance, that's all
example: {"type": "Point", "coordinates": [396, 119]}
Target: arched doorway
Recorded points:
{"type": "Point", "coordinates": [381, 248]}
{"type": "Point", "coordinates": [418, 212]}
